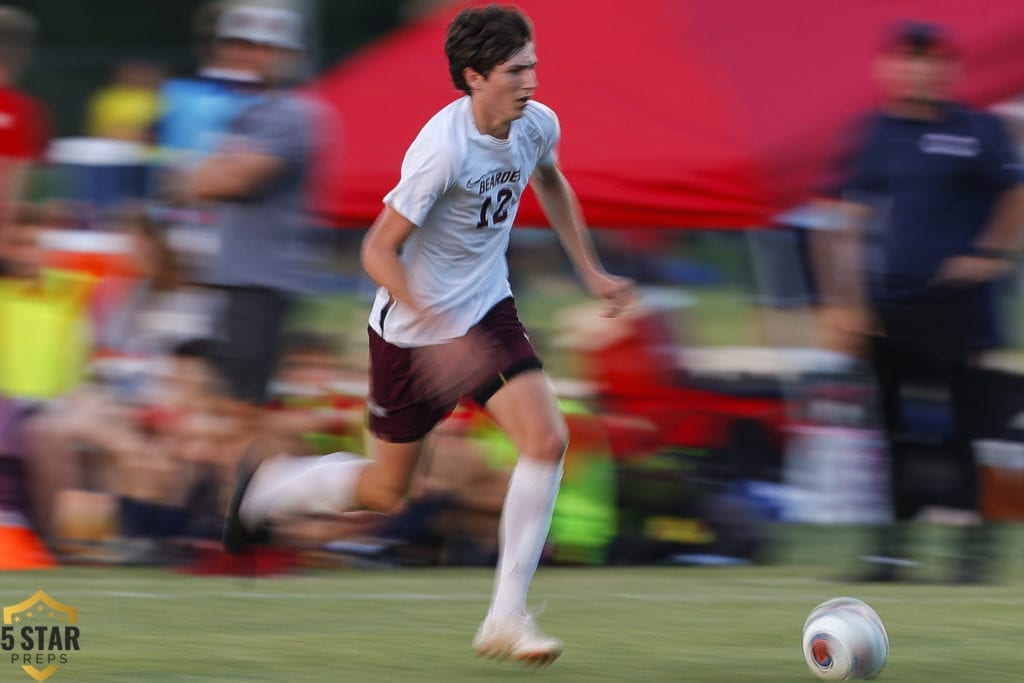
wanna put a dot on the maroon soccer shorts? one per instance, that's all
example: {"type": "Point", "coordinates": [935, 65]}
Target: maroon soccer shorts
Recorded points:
{"type": "Point", "coordinates": [402, 411]}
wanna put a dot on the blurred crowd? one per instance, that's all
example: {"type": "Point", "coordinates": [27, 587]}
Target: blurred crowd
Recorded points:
{"type": "Point", "coordinates": [149, 269]}
{"type": "Point", "coordinates": [152, 276]}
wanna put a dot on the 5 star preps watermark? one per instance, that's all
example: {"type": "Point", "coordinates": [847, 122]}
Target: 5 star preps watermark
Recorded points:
{"type": "Point", "coordinates": [40, 634]}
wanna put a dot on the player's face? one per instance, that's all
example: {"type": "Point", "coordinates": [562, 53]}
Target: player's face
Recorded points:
{"type": "Point", "coordinates": [510, 85]}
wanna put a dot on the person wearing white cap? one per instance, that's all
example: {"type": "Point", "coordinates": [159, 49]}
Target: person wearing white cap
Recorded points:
{"type": "Point", "coordinates": [243, 50]}
{"type": "Point", "coordinates": [256, 180]}
{"type": "Point", "coordinates": [266, 42]}
{"type": "Point", "coordinates": [272, 26]}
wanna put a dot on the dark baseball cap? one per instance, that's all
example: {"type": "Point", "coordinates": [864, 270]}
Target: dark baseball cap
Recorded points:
{"type": "Point", "coordinates": [921, 38]}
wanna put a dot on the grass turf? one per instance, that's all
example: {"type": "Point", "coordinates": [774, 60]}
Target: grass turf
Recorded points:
{"type": "Point", "coordinates": [619, 624]}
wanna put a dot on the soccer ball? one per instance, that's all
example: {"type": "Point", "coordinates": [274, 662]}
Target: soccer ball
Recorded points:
{"type": "Point", "coordinates": [845, 639]}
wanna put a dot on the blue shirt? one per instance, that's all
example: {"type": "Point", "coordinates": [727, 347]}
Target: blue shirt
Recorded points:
{"type": "Point", "coordinates": [934, 185]}
{"type": "Point", "coordinates": [197, 111]}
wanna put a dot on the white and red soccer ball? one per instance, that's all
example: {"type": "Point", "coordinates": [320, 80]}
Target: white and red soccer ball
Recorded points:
{"type": "Point", "coordinates": [845, 639]}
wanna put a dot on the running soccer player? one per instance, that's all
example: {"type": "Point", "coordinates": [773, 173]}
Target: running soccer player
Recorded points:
{"type": "Point", "coordinates": [444, 323]}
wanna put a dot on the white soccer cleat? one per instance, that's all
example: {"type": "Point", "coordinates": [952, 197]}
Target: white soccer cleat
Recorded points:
{"type": "Point", "coordinates": [516, 637]}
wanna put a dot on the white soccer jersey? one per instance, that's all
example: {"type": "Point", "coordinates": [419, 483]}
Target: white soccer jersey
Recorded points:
{"type": "Point", "coordinates": [462, 189]}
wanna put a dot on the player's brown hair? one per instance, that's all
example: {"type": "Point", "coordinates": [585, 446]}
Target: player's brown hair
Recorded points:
{"type": "Point", "coordinates": [482, 38]}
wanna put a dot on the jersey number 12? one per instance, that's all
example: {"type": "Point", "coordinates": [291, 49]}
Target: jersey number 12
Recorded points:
{"type": "Point", "coordinates": [500, 209]}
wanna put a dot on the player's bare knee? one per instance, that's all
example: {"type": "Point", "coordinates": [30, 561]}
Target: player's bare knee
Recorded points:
{"type": "Point", "coordinates": [549, 446]}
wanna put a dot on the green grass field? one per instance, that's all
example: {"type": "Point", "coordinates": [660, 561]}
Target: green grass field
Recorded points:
{"type": "Point", "coordinates": [630, 624]}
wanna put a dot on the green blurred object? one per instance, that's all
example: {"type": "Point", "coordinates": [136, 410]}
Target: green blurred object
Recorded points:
{"type": "Point", "coordinates": [585, 519]}
{"type": "Point", "coordinates": [326, 442]}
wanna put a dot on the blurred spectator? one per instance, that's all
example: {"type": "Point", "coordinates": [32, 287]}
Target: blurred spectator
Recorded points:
{"type": "Point", "coordinates": [159, 312]}
{"type": "Point", "coordinates": [128, 107]}
{"type": "Point", "coordinates": [157, 465]}
{"type": "Point", "coordinates": [937, 215]}
{"type": "Point", "coordinates": [89, 438]}
{"type": "Point", "coordinates": [310, 363]}
{"type": "Point", "coordinates": [143, 430]}
{"type": "Point", "coordinates": [258, 176]}
{"type": "Point", "coordinates": [310, 412]}
{"type": "Point", "coordinates": [196, 111]}
{"type": "Point", "coordinates": [24, 123]}
{"type": "Point", "coordinates": [163, 309]}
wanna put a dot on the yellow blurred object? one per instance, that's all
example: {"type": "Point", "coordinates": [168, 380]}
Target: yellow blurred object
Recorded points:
{"type": "Point", "coordinates": [678, 530]}
{"type": "Point", "coordinates": [123, 113]}
{"type": "Point", "coordinates": [43, 334]}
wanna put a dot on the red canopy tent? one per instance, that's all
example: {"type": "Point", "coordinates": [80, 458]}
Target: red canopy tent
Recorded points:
{"type": "Point", "coordinates": [675, 113]}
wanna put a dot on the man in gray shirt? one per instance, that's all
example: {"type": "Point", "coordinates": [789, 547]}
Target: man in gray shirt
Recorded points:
{"type": "Point", "coordinates": [258, 175]}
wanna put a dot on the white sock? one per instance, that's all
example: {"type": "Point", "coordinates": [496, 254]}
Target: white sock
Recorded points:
{"type": "Point", "coordinates": [287, 486]}
{"type": "Point", "coordinates": [525, 520]}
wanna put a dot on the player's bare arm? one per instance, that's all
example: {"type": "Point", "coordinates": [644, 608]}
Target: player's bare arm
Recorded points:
{"type": "Point", "coordinates": [379, 255]}
{"type": "Point", "coordinates": [563, 211]}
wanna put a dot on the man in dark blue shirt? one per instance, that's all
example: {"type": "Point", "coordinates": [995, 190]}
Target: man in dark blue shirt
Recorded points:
{"type": "Point", "coordinates": [939, 212]}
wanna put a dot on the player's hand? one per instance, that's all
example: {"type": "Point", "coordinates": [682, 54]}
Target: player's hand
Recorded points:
{"type": "Point", "coordinates": [617, 293]}
{"type": "Point", "coordinates": [969, 270]}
